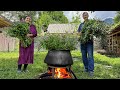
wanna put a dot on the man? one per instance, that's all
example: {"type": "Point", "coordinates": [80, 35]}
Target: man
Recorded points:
{"type": "Point", "coordinates": [87, 49]}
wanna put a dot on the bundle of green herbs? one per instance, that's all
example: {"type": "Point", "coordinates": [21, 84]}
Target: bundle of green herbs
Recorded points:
{"type": "Point", "coordinates": [20, 30]}
{"type": "Point", "coordinates": [92, 28]}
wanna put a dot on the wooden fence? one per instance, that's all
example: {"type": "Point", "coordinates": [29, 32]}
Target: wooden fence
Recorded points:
{"type": "Point", "coordinates": [7, 43]}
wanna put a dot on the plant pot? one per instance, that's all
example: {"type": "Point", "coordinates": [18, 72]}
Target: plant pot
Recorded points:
{"type": "Point", "coordinates": [59, 58]}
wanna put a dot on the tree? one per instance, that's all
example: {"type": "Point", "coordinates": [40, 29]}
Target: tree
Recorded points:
{"type": "Point", "coordinates": [57, 16]}
{"type": "Point", "coordinates": [48, 17]}
{"type": "Point", "coordinates": [117, 17]}
{"type": "Point", "coordinates": [43, 20]}
{"type": "Point", "coordinates": [15, 15]}
{"type": "Point", "coordinates": [76, 19]}
{"type": "Point", "coordinates": [26, 13]}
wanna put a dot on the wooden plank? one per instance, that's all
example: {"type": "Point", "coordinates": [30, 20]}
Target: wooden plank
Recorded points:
{"type": "Point", "coordinates": [1, 41]}
{"type": "Point", "coordinates": [4, 43]}
{"type": "Point", "coordinates": [108, 44]}
{"type": "Point", "coordinates": [115, 38]}
{"type": "Point", "coordinates": [114, 33]}
{"type": "Point", "coordinates": [112, 43]}
{"type": "Point", "coordinates": [117, 43]}
{"type": "Point", "coordinates": [118, 51]}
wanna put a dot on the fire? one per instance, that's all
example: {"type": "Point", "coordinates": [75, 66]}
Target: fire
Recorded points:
{"type": "Point", "coordinates": [61, 73]}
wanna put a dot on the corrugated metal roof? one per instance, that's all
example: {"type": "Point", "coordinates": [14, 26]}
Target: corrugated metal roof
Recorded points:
{"type": "Point", "coordinates": [61, 28]}
{"type": "Point", "coordinates": [4, 22]}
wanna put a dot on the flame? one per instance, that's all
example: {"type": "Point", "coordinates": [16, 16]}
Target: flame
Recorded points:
{"type": "Point", "coordinates": [60, 73]}
{"type": "Point", "coordinates": [49, 71]}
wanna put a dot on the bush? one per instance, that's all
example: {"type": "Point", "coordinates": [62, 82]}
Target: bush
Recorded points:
{"type": "Point", "coordinates": [59, 41]}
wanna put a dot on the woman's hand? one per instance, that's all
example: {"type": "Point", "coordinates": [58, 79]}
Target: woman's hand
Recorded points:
{"type": "Point", "coordinates": [29, 35]}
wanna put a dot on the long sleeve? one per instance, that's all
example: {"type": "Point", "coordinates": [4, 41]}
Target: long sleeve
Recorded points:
{"type": "Point", "coordinates": [80, 27]}
{"type": "Point", "coordinates": [33, 30]}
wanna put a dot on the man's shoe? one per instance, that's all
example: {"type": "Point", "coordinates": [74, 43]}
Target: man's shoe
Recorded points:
{"type": "Point", "coordinates": [91, 74]}
{"type": "Point", "coordinates": [85, 70]}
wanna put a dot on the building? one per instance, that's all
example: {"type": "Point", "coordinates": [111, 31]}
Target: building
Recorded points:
{"type": "Point", "coordinates": [62, 28]}
{"type": "Point", "coordinates": [114, 41]}
{"type": "Point", "coordinates": [6, 43]}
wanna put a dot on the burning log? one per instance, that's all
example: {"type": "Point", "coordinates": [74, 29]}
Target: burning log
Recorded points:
{"type": "Point", "coordinates": [58, 73]}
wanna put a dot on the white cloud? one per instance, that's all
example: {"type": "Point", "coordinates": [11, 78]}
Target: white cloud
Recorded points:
{"type": "Point", "coordinates": [70, 14]}
{"type": "Point", "coordinates": [97, 14]}
{"type": "Point", "coordinates": [104, 14]}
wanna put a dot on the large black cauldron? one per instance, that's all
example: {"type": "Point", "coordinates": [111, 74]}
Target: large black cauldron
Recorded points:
{"type": "Point", "coordinates": [58, 58]}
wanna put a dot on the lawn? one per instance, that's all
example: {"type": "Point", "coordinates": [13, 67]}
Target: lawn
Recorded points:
{"type": "Point", "coordinates": [105, 67]}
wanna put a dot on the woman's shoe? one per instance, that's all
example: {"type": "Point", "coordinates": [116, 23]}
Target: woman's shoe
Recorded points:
{"type": "Point", "coordinates": [19, 71]}
{"type": "Point", "coordinates": [25, 71]}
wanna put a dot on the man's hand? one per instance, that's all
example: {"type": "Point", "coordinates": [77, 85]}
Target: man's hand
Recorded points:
{"type": "Point", "coordinates": [79, 33]}
{"type": "Point", "coordinates": [91, 34]}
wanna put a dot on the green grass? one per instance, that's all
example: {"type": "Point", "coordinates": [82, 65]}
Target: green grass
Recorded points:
{"type": "Point", "coordinates": [8, 66]}
{"type": "Point", "coordinates": [105, 67]}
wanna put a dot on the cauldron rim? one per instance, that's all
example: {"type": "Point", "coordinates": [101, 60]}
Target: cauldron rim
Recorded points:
{"type": "Point", "coordinates": [58, 50]}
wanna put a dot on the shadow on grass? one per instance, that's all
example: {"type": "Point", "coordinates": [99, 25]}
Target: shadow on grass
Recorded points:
{"type": "Point", "coordinates": [111, 55]}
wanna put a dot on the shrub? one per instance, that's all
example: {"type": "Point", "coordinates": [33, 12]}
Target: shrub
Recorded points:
{"type": "Point", "coordinates": [59, 41]}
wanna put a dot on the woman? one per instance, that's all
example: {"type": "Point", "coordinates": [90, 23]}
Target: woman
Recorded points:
{"type": "Point", "coordinates": [26, 55]}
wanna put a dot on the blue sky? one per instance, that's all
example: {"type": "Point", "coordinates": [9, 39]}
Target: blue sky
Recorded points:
{"type": "Point", "coordinates": [97, 14]}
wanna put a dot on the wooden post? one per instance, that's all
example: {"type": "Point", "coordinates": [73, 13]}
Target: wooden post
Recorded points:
{"type": "Point", "coordinates": [8, 47]}
{"type": "Point", "coordinates": [110, 47]}
{"type": "Point", "coordinates": [116, 44]}
{"type": "Point", "coordinates": [109, 44]}
{"type": "Point", "coordinates": [112, 43]}
{"type": "Point", "coordinates": [53, 73]}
